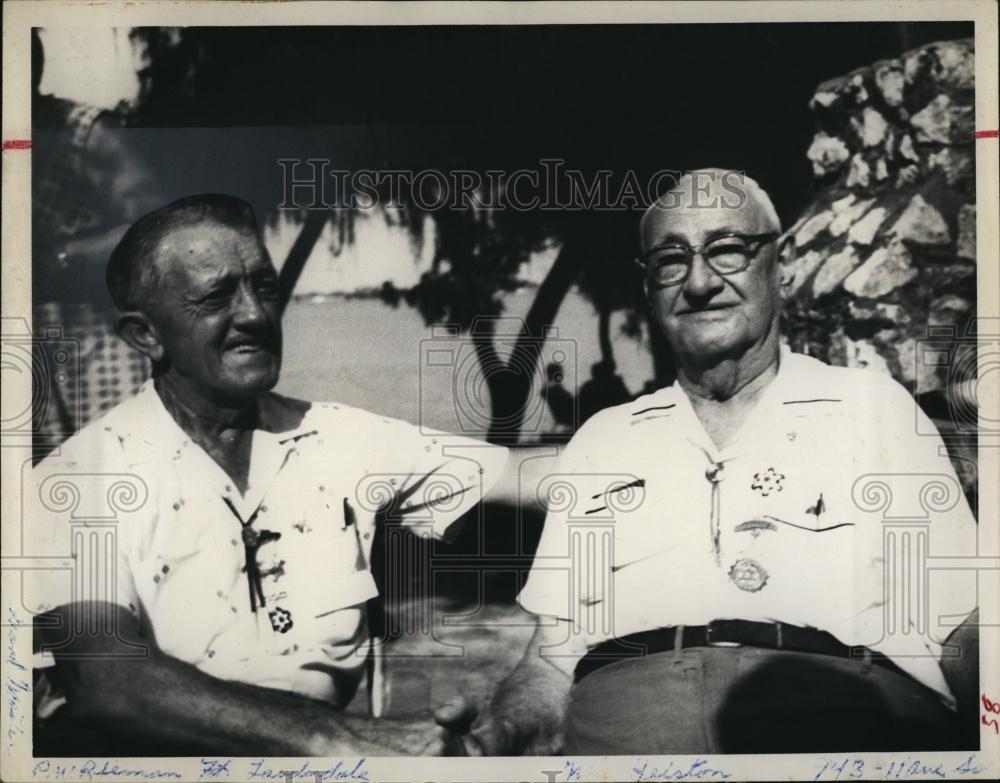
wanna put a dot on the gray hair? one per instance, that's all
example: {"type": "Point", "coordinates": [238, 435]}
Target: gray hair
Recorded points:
{"type": "Point", "coordinates": [131, 271]}
{"type": "Point", "coordinates": [732, 181]}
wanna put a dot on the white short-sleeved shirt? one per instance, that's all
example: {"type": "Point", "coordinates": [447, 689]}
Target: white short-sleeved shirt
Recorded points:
{"type": "Point", "coordinates": [651, 525]}
{"type": "Point", "coordinates": [133, 483]}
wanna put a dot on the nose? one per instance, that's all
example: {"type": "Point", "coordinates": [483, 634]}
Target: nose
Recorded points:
{"type": "Point", "coordinates": [249, 308]}
{"type": "Point", "coordinates": [702, 281]}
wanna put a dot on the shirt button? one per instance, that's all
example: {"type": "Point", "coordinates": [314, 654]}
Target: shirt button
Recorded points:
{"type": "Point", "coordinates": [715, 472]}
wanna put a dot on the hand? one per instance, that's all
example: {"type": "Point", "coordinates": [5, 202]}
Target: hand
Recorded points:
{"type": "Point", "coordinates": [488, 734]}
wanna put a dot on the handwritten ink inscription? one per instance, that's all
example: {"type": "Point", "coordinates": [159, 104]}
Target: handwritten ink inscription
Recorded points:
{"type": "Point", "coordinates": [991, 713]}
{"type": "Point", "coordinates": [699, 769]}
{"type": "Point", "coordinates": [905, 768]}
{"type": "Point", "coordinates": [98, 769]}
{"type": "Point", "coordinates": [214, 768]}
{"type": "Point", "coordinates": [17, 685]}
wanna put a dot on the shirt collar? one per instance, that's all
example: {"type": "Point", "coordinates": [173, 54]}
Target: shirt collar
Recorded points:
{"type": "Point", "coordinates": [799, 381]}
{"type": "Point", "coordinates": [283, 424]}
{"type": "Point", "coordinates": [795, 381]}
{"type": "Point", "coordinates": [284, 418]}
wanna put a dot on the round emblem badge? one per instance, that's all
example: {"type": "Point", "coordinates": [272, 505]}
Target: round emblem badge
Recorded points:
{"type": "Point", "coordinates": [748, 575]}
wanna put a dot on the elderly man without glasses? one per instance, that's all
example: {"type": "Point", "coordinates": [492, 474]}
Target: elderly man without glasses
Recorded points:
{"type": "Point", "coordinates": [718, 586]}
{"type": "Point", "coordinates": [222, 609]}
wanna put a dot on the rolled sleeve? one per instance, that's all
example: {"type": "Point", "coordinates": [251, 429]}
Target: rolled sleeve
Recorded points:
{"type": "Point", "coordinates": [570, 575]}
{"type": "Point", "coordinates": [435, 477]}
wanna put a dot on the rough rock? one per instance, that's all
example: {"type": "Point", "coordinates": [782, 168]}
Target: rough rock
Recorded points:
{"type": "Point", "coordinates": [833, 272]}
{"type": "Point", "coordinates": [965, 247]}
{"type": "Point", "coordinates": [886, 248]}
{"type": "Point", "coordinates": [883, 271]}
{"type": "Point", "coordinates": [949, 309]}
{"type": "Point", "coordinates": [921, 224]}
{"type": "Point", "coordinates": [848, 216]}
{"type": "Point", "coordinates": [906, 149]}
{"type": "Point", "coordinates": [827, 154]}
{"type": "Point", "coordinates": [891, 81]}
{"type": "Point", "coordinates": [863, 232]}
{"type": "Point", "coordinates": [858, 172]}
{"type": "Point", "coordinates": [861, 353]}
{"type": "Point", "coordinates": [913, 372]}
{"type": "Point", "coordinates": [946, 66]}
{"type": "Point", "coordinates": [811, 228]}
{"type": "Point", "coordinates": [841, 204]}
{"type": "Point", "coordinates": [882, 314]}
{"type": "Point", "coordinates": [944, 122]}
{"type": "Point", "coordinates": [803, 269]}
{"type": "Point", "coordinates": [956, 164]}
{"type": "Point", "coordinates": [871, 127]}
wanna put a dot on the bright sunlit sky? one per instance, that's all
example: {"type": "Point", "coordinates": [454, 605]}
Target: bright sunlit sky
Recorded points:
{"type": "Point", "coordinates": [90, 65]}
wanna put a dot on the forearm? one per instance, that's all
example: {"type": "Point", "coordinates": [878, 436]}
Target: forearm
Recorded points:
{"type": "Point", "coordinates": [530, 704]}
{"type": "Point", "coordinates": [960, 664]}
{"type": "Point", "coordinates": [526, 469]}
{"type": "Point", "coordinates": [166, 701]}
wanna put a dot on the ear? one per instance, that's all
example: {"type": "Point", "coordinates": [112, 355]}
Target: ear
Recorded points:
{"type": "Point", "coordinates": [786, 260]}
{"type": "Point", "coordinates": [135, 328]}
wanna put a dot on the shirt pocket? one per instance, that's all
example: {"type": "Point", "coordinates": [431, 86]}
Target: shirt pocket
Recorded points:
{"type": "Point", "coordinates": [326, 578]}
{"type": "Point", "coordinates": [802, 483]}
{"type": "Point", "coordinates": [330, 614]}
{"type": "Point", "coordinates": [666, 518]}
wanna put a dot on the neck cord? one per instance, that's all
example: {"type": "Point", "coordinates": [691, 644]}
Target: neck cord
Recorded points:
{"type": "Point", "coordinates": [252, 541]}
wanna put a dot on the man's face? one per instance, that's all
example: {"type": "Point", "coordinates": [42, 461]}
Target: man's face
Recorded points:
{"type": "Point", "coordinates": [712, 315]}
{"type": "Point", "coordinates": [215, 309]}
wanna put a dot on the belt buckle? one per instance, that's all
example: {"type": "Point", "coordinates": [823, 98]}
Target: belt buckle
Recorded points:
{"type": "Point", "coordinates": [710, 643]}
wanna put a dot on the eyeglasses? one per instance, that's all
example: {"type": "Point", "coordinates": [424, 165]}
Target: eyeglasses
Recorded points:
{"type": "Point", "coordinates": [670, 264]}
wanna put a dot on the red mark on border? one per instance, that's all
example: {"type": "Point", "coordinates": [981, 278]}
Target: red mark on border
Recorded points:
{"type": "Point", "coordinates": [990, 706]}
{"type": "Point", "coordinates": [16, 144]}
{"type": "Point", "coordinates": [987, 134]}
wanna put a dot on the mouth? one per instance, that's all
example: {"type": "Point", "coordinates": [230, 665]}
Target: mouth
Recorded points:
{"type": "Point", "coordinates": [246, 347]}
{"type": "Point", "coordinates": [705, 310]}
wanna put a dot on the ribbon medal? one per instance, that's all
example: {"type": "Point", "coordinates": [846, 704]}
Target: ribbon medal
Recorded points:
{"type": "Point", "coordinates": [748, 575]}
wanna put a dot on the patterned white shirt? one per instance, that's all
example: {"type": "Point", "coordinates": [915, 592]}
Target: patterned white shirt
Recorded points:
{"type": "Point", "coordinates": [132, 511]}
{"type": "Point", "coordinates": [835, 488]}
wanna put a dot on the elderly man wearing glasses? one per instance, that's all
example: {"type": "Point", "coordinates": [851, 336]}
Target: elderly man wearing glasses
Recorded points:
{"type": "Point", "coordinates": [718, 586]}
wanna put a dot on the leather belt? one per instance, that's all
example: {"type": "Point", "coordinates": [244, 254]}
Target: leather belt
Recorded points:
{"type": "Point", "coordinates": [725, 633]}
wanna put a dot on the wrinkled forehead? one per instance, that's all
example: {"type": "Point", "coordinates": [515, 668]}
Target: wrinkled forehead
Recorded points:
{"type": "Point", "coordinates": [208, 248]}
{"type": "Point", "coordinates": [704, 204]}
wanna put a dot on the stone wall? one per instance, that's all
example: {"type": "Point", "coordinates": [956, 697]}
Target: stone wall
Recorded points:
{"type": "Point", "coordinates": [886, 252]}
